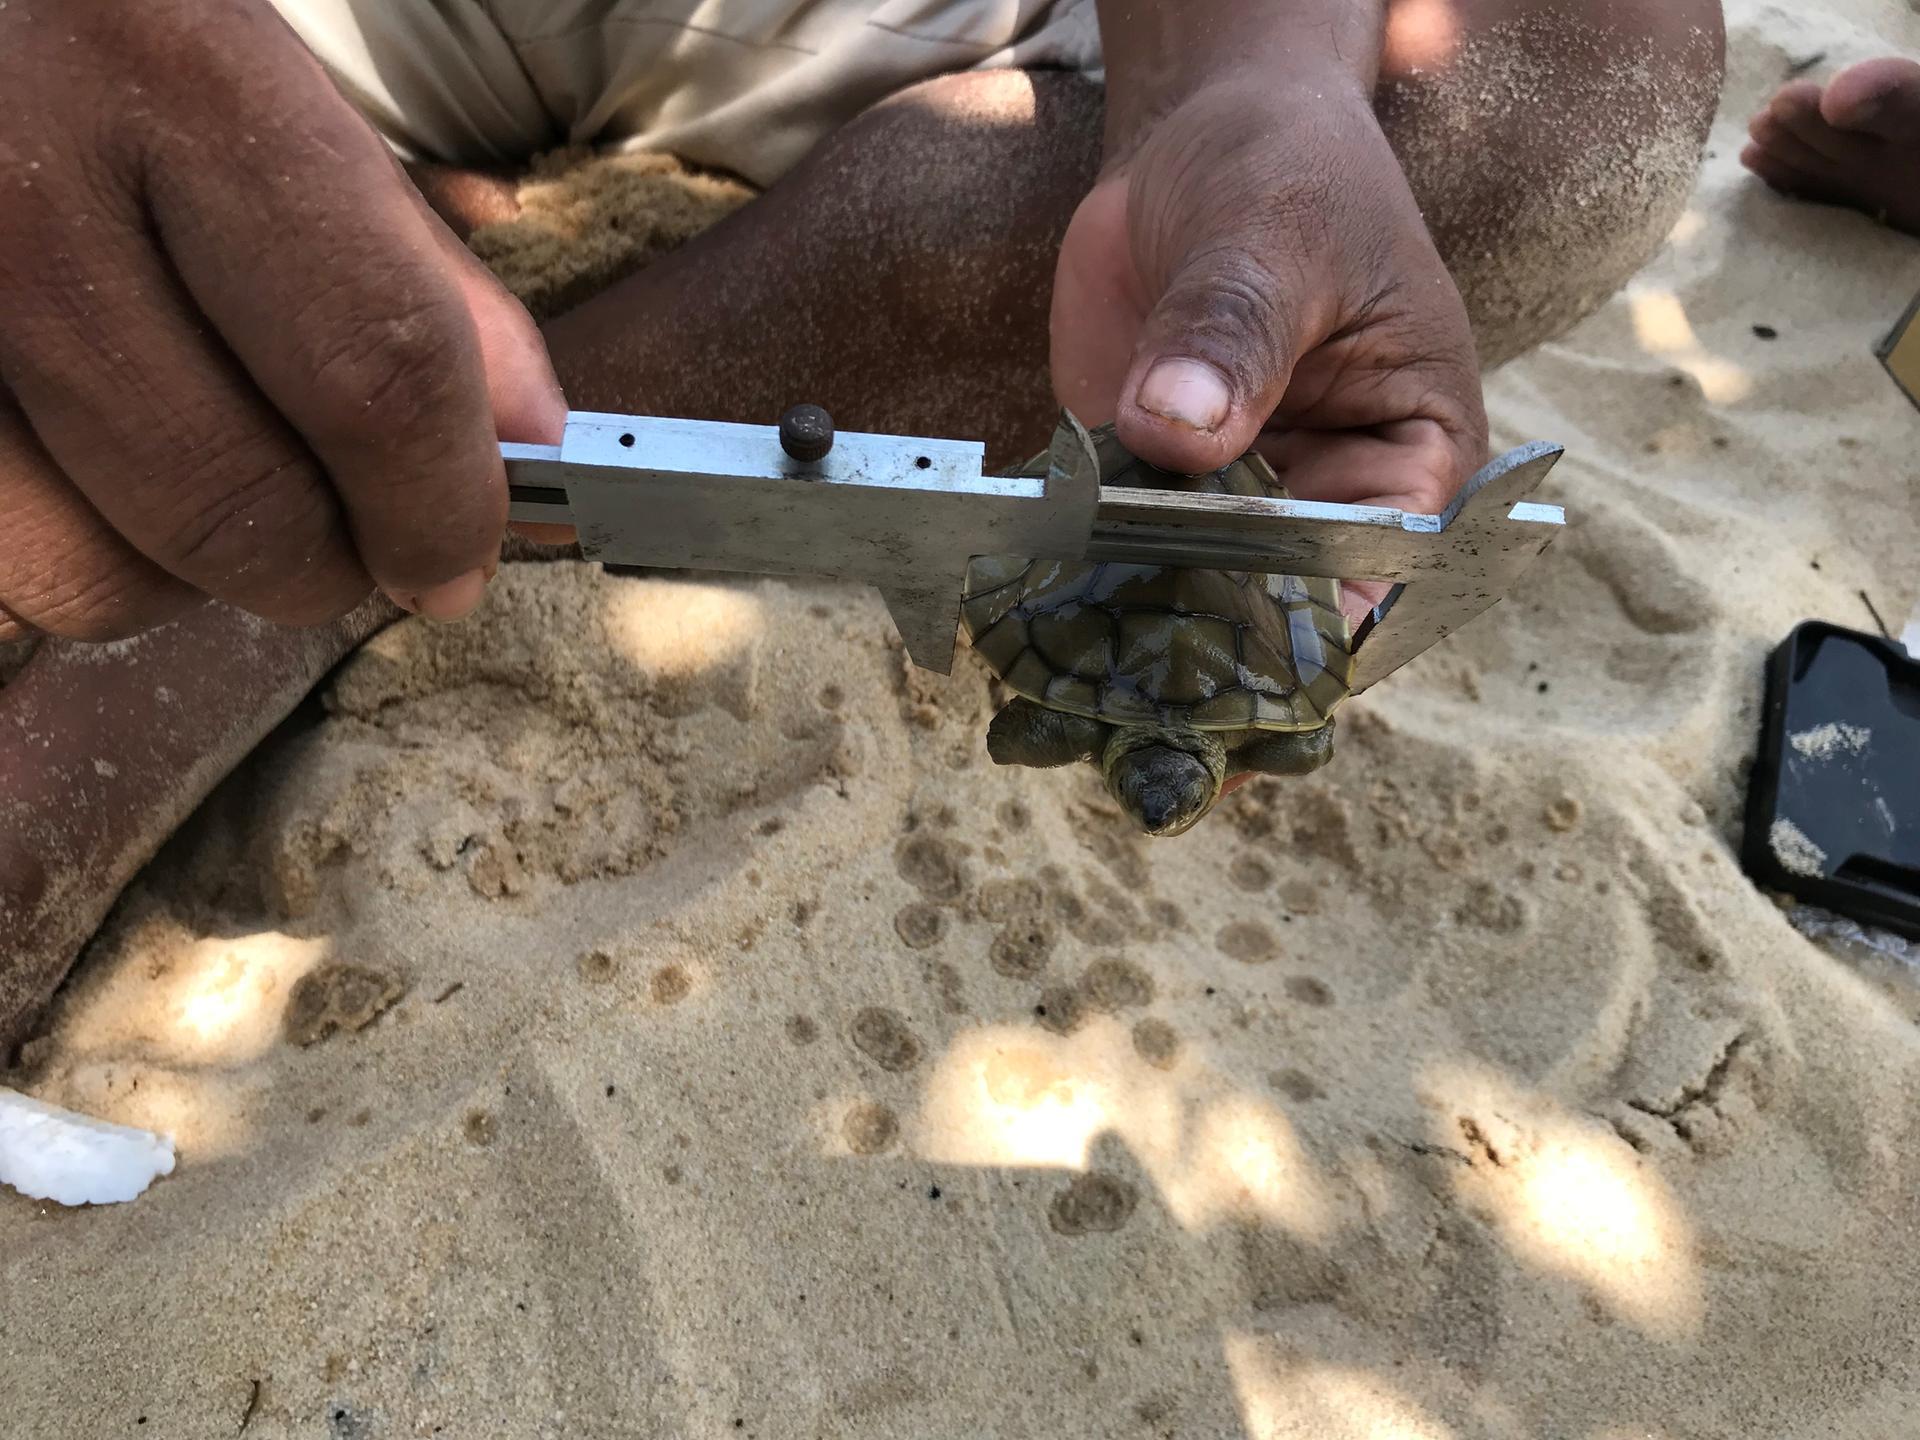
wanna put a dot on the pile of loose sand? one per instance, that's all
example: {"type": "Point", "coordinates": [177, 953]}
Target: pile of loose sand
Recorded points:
{"type": "Point", "coordinates": [643, 1011]}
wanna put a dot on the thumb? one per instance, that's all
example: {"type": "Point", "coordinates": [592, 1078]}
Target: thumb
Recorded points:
{"type": "Point", "coordinates": [1213, 361]}
{"type": "Point", "coordinates": [528, 405]}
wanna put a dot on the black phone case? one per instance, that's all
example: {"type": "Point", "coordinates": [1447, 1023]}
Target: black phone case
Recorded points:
{"type": "Point", "coordinates": [1833, 808]}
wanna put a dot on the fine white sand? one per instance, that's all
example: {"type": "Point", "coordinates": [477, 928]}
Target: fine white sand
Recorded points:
{"type": "Point", "coordinates": [701, 1038]}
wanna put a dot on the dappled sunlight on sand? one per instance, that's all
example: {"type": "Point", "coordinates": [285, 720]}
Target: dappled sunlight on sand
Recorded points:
{"type": "Point", "coordinates": [165, 1045]}
{"type": "Point", "coordinates": [681, 627]}
{"type": "Point", "coordinates": [1687, 229]}
{"type": "Point", "coordinates": [1005, 1095]}
{"type": "Point", "coordinates": [215, 1003]}
{"type": "Point", "coordinates": [200, 1110]}
{"type": "Point", "coordinates": [1660, 324]}
{"type": "Point", "coordinates": [1569, 1197]}
{"type": "Point", "coordinates": [1241, 1160]}
{"type": "Point", "coordinates": [1286, 1399]}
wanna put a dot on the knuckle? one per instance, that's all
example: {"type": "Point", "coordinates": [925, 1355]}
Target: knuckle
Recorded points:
{"type": "Point", "coordinates": [253, 524]}
{"type": "Point", "coordinates": [103, 604]}
{"type": "Point", "coordinates": [389, 371]}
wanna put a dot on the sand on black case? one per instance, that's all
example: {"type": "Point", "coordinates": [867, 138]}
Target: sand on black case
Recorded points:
{"type": "Point", "coordinates": [1833, 808]}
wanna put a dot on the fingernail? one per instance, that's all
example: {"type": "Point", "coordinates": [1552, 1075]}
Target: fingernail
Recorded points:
{"type": "Point", "coordinates": [1187, 392]}
{"type": "Point", "coordinates": [454, 600]}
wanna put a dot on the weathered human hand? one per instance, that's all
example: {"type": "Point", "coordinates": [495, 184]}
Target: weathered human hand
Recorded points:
{"type": "Point", "coordinates": [238, 356]}
{"type": "Point", "coordinates": [1252, 272]}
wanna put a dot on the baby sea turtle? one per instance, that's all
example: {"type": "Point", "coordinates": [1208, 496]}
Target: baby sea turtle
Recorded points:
{"type": "Point", "coordinates": [1168, 679]}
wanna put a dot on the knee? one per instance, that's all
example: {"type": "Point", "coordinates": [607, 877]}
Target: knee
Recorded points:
{"type": "Point", "coordinates": [1598, 111]}
{"type": "Point", "coordinates": [1574, 38]}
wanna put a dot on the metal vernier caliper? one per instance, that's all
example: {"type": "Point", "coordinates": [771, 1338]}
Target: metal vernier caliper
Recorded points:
{"type": "Point", "coordinates": [906, 515]}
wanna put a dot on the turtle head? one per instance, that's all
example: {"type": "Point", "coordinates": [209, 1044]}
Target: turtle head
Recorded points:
{"type": "Point", "coordinates": [1164, 779]}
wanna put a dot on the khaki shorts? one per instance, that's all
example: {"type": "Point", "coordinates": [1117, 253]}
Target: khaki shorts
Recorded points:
{"type": "Point", "coordinates": [746, 85]}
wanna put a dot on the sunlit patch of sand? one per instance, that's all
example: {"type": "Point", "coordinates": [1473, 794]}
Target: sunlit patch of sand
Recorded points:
{"type": "Point", "coordinates": [1310, 1401]}
{"type": "Point", "coordinates": [216, 1003]}
{"type": "Point", "coordinates": [1688, 228]}
{"type": "Point", "coordinates": [1004, 1096]}
{"type": "Point", "coordinates": [1660, 324]}
{"type": "Point", "coordinates": [679, 628]}
{"type": "Point", "coordinates": [1569, 1197]}
{"type": "Point", "coordinates": [200, 1110]}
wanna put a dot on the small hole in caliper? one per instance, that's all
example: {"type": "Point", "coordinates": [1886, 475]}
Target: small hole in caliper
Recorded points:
{"type": "Point", "coordinates": [627, 440]}
{"type": "Point", "coordinates": [923, 463]}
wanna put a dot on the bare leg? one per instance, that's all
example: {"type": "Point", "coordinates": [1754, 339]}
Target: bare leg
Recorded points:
{"type": "Point", "coordinates": [466, 199]}
{"type": "Point", "coordinates": [1853, 142]}
{"type": "Point", "coordinates": [1552, 145]}
{"type": "Point", "coordinates": [900, 275]}
{"type": "Point", "coordinates": [901, 278]}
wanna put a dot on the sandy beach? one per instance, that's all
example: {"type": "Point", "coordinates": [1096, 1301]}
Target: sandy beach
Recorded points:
{"type": "Point", "coordinates": [642, 1010]}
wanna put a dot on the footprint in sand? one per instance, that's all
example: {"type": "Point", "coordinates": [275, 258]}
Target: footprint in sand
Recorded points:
{"type": "Point", "coordinates": [883, 1037]}
{"type": "Point", "coordinates": [1093, 1203]}
{"type": "Point", "coordinates": [920, 925]}
{"type": "Point", "coordinates": [1061, 1009]}
{"type": "Point", "coordinates": [1308, 990]}
{"type": "Point", "coordinates": [1157, 1043]}
{"type": "Point", "coordinates": [1296, 1085]}
{"type": "Point", "coordinates": [597, 967]}
{"type": "Point", "coordinates": [1247, 941]}
{"type": "Point", "coordinates": [334, 997]}
{"type": "Point", "coordinates": [1640, 567]}
{"type": "Point", "coordinates": [1020, 952]}
{"type": "Point", "coordinates": [931, 866]}
{"type": "Point", "coordinates": [869, 1129]}
{"type": "Point", "coordinates": [670, 985]}
{"type": "Point", "coordinates": [1112, 985]}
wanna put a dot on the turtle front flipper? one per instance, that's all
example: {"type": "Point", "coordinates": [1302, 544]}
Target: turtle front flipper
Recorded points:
{"type": "Point", "coordinates": [1024, 733]}
{"type": "Point", "coordinates": [1164, 779]}
{"type": "Point", "coordinates": [1283, 752]}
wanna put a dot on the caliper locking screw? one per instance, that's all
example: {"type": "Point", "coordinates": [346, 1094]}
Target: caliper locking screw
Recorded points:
{"type": "Point", "coordinates": [806, 433]}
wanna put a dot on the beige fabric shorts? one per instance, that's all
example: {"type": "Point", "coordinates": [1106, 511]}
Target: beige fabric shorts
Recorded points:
{"type": "Point", "coordinates": [743, 85]}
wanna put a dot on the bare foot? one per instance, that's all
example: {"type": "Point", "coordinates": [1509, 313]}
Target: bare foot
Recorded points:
{"type": "Point", "coordinates": [1854, 143]}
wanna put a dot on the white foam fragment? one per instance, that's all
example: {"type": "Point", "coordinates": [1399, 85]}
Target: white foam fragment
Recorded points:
{"type": "Point", "coordinates": [48, 1153]}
